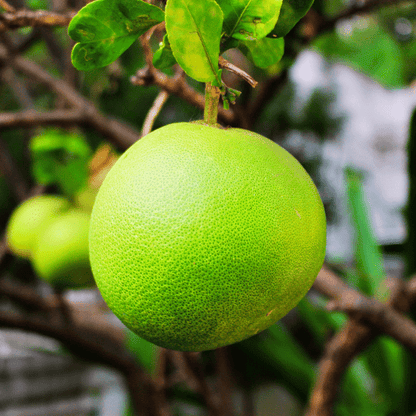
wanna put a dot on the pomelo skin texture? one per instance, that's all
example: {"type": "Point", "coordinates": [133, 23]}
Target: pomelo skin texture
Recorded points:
{"type": "Point", "coordinates": [29, 219]}
{"type": "Point", "coordinates": [201, 237]}
{"type": "Point", "coordinates": [61, 255]}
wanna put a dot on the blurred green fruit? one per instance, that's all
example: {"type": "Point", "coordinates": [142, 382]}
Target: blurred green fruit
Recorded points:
{"type": "Point", "coordinates": [61, 255]}
{"type": "Point", "coordinates": [29, 220]}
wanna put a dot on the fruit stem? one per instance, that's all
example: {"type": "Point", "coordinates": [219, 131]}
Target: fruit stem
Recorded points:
{"type": "Point", "coordinates": [212, 98]}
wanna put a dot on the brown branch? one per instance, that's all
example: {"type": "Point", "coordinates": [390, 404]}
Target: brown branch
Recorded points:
{"type": "Point", "coordinates": [22, 18]}
{"type": "Point", "coordinates": [6, 6]}
{"type": "Point", "coordinates": [190, 371]}
{"type": "Point", "coordinates": [224, 381]}
{"type": "Point", "coordinates": [352, 339]}
{"type": "Point", "coordinates": [179, 88]}
{"type": "Point", "coordinates": [160, 380]}
{"type": "Point", "coordinates": [18, 87]}
{"type": "Point", "coordinates": [27, 296]}
{"type": "Point", "coordinates": [119, 133]}
{"type": "Point", "coordinates": [90, 336]}
{"type": "Point", "coordinates": [32, 118]}
{"type": "Point", "coordinates": [154, 112]}
{"type": "Point", "coordinates": [223, 63]}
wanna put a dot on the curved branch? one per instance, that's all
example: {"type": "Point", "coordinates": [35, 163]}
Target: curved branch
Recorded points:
{"type": "Point", "coordinates": [22, 18]}
{"type": "Point", "coordinates": [355, 336]}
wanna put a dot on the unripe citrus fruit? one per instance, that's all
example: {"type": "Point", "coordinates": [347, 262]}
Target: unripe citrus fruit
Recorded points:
{"type": "Point", "coordinates": [201, 237]}
{"type": "Point", "coordinates": [29, 219]}
{"type": "Point", "coordinates": [61, 254]}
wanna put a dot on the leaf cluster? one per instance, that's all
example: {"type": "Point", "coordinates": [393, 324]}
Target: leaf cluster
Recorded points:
{"type": "Point", "coordinates": [197, 32]}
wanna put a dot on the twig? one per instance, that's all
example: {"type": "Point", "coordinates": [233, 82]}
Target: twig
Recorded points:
{"type": "Point", "coordinates": [154, 112]}
{"type": "Point", "coordinates": [223, 63]}
{"type": "Point", "coordinates": [120, 134]}
{"type": "Point", "coordinates": [160, 379]}
{"type": "Point", "coordinates": [6, 6]}
{"type": "Point", "coordinates": [224, 381]}
{"type": "Point", "coordinates": [179, 88]}
{"type": "Point", "coordinates": [192, 360]}
{"type": "Point", "coordinates": [191, 372]}
{"type": "Point", "coordinates": [27, 296]}
{"type": "Point", "coordinates": [18, 87]}
{"type": "Point", "coordinates": [15, 20]}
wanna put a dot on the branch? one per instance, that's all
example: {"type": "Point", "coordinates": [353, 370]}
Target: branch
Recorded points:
{"type": "Point", "coordinates": [105, 345]}
{"type": "Point", "coordinates": [118, 132]}
{"type": "Point", "coordinates": [154, 112]}
{"type": "Point", "coordinates": [223, 63]}
{"type": "Point", "coordinates": [179, 88]}
{"type": "Point", "coordinates": [15, 20]}
{"type": "Point", "coordinates": [352, 339]}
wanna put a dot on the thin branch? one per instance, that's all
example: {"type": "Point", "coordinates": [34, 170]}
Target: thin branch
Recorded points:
{"type": "Point", "coordinates": [181, 89]}
{"type": "Point", "coordinates": [18, 87]}
{"type": "Point", "coordinates": [193, 362]}
{"type": "Point", "coordinates": [22, 18]}
{"type": "Point", "coordinates": [6, 6]}
{"type": "Point", "coordinates": [223, 63]}
{"type": "Point", "coordinates": [224, 381]}
{"type": "Point", "coordinates": [154, 112]}
{"type": "Point", "coordinates": [120, 134]}
{"type": "Point", "coordinates": [27, 296]}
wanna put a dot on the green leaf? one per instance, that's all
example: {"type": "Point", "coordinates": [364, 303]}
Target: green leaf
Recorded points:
{"type": "Point", "coordinates": [249, 19]}
{"type": "Point", "coordinates": [291, 12]}
{"type": "Point", "coordinates": [60, 158]}
{"type": "Point", "coordinates": [143, 350]}
{"type": "Point", "coordinates": [194, 30]}
{"type": "Point", "coordinates": [368, 255]}
{"type": "Point", "coordinates": [163, 58]}
{"type": "Point", "coordinates": [104, 29]}
{"type": "Point", "coordinates": [368, 49]}
{"type": "Point", "coordinates": [263, 52]}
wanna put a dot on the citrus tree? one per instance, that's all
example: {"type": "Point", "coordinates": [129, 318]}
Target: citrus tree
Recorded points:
{"type": "Point", "coordinates": [199, 232]}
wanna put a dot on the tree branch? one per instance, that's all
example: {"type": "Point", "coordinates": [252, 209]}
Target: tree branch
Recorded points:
{"type": "Point", "coordinates": [22, 18]}
{"type": "Point", "coordinates": [355, 336]}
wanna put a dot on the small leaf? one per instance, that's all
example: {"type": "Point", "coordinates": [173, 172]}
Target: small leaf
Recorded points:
{"type": "Point", "coordinates": [249, 19]}
{"type": "Point", "coordinates": [163, 58]}
{"type": "Point", "coordinates": [60, 158]}
{"type": "Point", "coordinates": [104, 29]}
{"type": "Point", "coordinates": [291, 12]}
{"type": "Point", "coordinates": [263, 52]}
{"type": "Point", "coordinates": [194, 30]}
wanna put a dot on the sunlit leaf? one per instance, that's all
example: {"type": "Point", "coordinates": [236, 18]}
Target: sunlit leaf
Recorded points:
{"type": "Point", "coordinates": [194, 30]}
{"type": "Point", "coordinates": [104, 29]}
{"type": "Point", "coordinates": [263, 52]}
{"type": "Point", "coordinates": [249, 19]}
{"type": "Point", "coordinates": [291, 12]}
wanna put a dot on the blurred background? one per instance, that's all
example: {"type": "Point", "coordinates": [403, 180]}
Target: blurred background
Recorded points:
{"type": "Point", "coordinates": [341, 101]}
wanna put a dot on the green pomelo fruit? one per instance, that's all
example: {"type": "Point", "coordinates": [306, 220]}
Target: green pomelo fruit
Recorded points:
{"type": "Point", "coordinates": [61, 255]}
{"type": "Point", "coordinates": [29, 219]}
{"type": "Point", "coordinates": [201, 237]}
